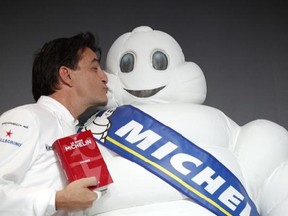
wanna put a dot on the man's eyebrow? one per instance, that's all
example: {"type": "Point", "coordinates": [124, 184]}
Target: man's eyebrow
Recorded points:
{"type": "Point", "coordinates": [95, 60]}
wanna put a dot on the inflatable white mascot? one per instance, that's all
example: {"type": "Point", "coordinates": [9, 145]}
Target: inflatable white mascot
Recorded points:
{"type": "Point", "coordinates": [175, 156]}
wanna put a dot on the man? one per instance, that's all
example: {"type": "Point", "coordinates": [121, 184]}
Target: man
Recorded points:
{"type": "Point", "coordinates": [66, 80]}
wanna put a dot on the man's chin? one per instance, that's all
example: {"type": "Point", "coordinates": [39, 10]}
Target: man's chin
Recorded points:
{"type": "Point", "coordinates": [104, 103]}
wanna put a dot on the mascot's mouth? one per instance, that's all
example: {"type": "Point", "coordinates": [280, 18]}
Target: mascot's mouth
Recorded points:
{"type": "Point", "coordinates": [145, 93]}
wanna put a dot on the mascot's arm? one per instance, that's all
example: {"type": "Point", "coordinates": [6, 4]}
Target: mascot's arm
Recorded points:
{"type": "Point", "coordinates": [261, 148]}
{"type": "Point", "coordinates": [274, 193]}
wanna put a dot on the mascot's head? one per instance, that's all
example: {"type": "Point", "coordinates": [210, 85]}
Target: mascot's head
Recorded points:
{"type": "Point", "coordinates": [147, 66]}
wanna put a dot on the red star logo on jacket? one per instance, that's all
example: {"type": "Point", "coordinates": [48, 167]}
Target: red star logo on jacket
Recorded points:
{"type": "Point", "coordinates": [9, 133]}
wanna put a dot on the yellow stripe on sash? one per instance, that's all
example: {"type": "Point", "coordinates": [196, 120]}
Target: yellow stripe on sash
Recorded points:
{"type": "Point", "coordinates": [167, 172]}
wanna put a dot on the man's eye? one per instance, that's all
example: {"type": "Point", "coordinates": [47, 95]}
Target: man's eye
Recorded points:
{"type": "Point", "coordinates": [95, 69]}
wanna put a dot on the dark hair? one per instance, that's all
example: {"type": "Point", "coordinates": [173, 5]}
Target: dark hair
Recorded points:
{"type": "Point", "coordinates": [57, 53]}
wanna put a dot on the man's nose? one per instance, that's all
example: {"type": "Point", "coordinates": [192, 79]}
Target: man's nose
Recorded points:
{"type": "Point", "coordinates": [104, 76]}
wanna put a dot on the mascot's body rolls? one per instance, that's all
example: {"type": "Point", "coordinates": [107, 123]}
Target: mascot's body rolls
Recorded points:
{"type": "Point", "coordinates": [147, 69]}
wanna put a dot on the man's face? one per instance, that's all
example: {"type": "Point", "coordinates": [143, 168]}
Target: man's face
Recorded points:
{"type": "Point", "coordinates": [90, 82]}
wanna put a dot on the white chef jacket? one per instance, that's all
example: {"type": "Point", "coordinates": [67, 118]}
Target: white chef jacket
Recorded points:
{"type": "Point", "coordinates": [30, 174]}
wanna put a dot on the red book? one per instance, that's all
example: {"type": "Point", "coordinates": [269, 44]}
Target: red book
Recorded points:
{"type": "Point", "coordinates": [80, 157]}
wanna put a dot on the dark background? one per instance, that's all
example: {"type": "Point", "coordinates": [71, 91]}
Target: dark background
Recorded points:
{"type": "Point", "coordinates": [241, 46]}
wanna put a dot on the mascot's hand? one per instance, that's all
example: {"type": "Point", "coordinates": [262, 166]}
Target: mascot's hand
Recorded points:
{"type": "Point", "coordinates": [99, 125]}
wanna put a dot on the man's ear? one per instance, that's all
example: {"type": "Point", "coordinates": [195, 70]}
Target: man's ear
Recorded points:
{"type": "Point", "coordinates": [64, 74]}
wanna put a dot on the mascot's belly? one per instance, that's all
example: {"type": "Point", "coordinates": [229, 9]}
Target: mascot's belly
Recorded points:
{"type": "Point", "coordinates": [136, 191]}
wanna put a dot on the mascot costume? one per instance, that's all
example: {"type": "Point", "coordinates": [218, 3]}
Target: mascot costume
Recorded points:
{"type": "Point", "coordinates": [168, 154]}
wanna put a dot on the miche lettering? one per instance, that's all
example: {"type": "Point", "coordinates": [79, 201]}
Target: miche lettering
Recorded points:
{"type": "Point", "coordinates": [78, 144]}
{"type": "Point", "coordinates": [201, 174]}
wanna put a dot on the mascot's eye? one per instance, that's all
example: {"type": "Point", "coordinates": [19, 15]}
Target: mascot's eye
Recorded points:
{"type": "Point", "coordinates": [159, 61]}
{"type": "Point", "coordinates": [127, 63]}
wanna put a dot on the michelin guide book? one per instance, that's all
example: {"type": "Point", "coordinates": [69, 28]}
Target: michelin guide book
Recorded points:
{"type": "Point", "coordinates": [80, 157]}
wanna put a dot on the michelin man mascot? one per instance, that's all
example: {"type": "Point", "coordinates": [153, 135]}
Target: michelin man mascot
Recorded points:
{"type": "Point", "coordinates": [168, 154]}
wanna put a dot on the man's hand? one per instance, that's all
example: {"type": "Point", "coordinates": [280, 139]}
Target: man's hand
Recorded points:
{"type": "Point", "coordinates": [77, 195]}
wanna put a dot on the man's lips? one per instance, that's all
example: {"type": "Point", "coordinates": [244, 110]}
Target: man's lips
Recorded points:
{"type": "Point", "coordinates": [144, 93]}
{"type": "Point", "coordinates": [106, 89]}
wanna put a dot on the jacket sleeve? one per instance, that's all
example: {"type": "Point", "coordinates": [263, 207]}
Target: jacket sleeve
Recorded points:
{"type": "Point", "coordinates": [19, 149]}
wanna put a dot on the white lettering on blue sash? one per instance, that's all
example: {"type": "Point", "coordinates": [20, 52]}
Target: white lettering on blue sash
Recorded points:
{"type": "Point", "coordinates": [178, 160]}
{"type": "Point", "coordinates": [149, 137]}
{"type": "Point", "coordinates": [206, 177]}
{"type": "Point", "coordinates": [231, 197]}
{"type": "Point", "coordinates": [164, 150]}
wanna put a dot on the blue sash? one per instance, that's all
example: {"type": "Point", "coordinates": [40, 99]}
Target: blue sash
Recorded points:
{"type": "Point", "coordinates": [194, 172]}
